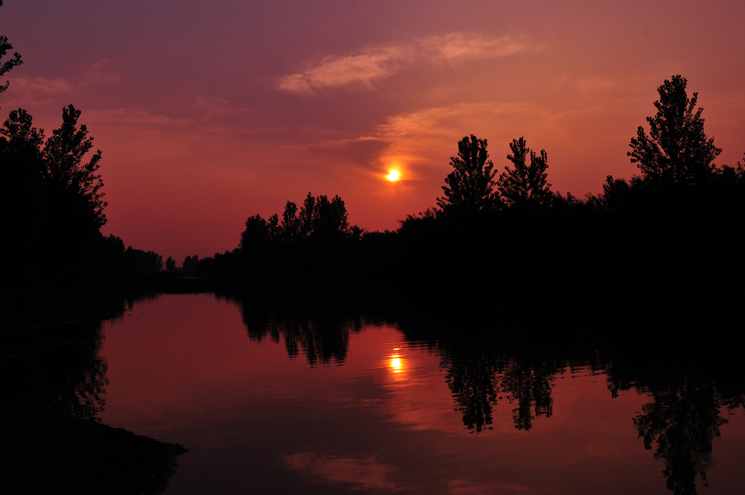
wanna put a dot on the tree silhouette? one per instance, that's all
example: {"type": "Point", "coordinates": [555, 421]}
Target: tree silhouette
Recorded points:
{"type": "Point", "coordinates": [683, 421]}
{"type": "Point", "coordinates": [677, 150]}
{"type": "Point", "coordinates": [191, 263]}
{"type": "Point", "coordinates": [319, 219]}
{"type": "Point", "coordinates": [51, 201]}
{"type": "Point", "coordinates": [525, 184]}
{"type": "Point", "coordinates": [23, 200]}
{"type": "Point", "coordinates": [470, 186]}
{"type": "Point", "coordinates": [8, 64]}
{"type": "Point", "coordinates": [330, 218]}
{"type": "Point", "coordinates": [291, 224]}
{"type": "Point", "coordinates": [69, 176]}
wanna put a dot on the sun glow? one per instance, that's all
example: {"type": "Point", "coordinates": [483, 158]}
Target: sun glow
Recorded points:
{"type": "Point", "coordinates": [396, 365]}
{"type": "Point", "coordinates": [393, 175]}
{"type": "Point", "coordinates": [396, 362]}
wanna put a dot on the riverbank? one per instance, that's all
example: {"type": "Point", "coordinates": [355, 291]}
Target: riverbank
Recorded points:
{"type": "Point", "coordinates": [66, 455]}
{"type": "Point", "coordinates": [53, 387]}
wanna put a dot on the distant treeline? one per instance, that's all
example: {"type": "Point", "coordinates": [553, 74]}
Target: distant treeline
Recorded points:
{"type": "Point", "coordinates": [679, 221]}
{"type": "Point", "coordinates": [51, 203]}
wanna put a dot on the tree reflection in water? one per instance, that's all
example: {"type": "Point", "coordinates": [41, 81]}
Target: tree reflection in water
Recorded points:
{"type": "Point", "coordinates": [517, 358]}
{"type": "Point", "coordinates": [683, 420]}
{"type": "Point", "coordinates": [685, 415]}
{"type": "Point", "coordinates": [54, 367]}
{"type": "Point", "coordinates": [63, 380]}
{"type": "Point", "coordinates": [478, 381]}
{"type": "Point", "coordinates": [52, 376]}
{"type": "Point", "coordinates": [320, 332]}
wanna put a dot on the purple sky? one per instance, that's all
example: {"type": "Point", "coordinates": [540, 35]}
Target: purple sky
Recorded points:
{"type": "Point", "coordinates": [209, 112]}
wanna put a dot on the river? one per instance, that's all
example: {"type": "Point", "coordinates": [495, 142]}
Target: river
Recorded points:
{"type": "Point", "coordinates": [326, 401]}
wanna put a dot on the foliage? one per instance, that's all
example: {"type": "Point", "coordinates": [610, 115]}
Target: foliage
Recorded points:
{"type": "Point", "coordinates": [319, 220]}
{"type": "Point", "coordinates": [191, 263]}
{"type": "Point", "coordinates": [6, 66]}
{"type": "Point", "coordinates": [677, 150]}
{"type": "Point", "coordinates": [426, 219]}
{"type": "Point", "coordinates": [51, 198]}
{"type": "Point", "coordinates": [137, 260]}
{"type": "Point", "coordinates": [525, 184]}
{"type": "Point", "coordinates": [255, 235]}
{"type": "Point", "coordinates": [69, 176]}
{"type": "Point", "coordinates": [470, 186]}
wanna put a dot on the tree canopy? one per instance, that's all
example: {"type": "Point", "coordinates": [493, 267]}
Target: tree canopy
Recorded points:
{"type": "Point", "coordinates": [470, 186]}
{"type": "Point", "coordinates": [525, 183]}
{"type": "Point", "coordinates": [51, 196]}
{"type": "Point", "coordinates": [677, 150]}
{"type": "Point", "coordinates": [319, 220]}
{"type": "Point", "coordinates": [7, 65]}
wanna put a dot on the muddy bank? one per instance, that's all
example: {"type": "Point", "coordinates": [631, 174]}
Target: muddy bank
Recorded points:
{"type": "Point", "coordinates": [65, 455]}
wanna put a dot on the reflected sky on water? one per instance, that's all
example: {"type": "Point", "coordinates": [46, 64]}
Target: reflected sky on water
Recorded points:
{"type": "Point", "coordinates": [323, 402]}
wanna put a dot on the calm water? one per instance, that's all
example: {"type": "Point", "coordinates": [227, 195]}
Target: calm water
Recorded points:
{"type": "Point", "coordinates": [276, 402]}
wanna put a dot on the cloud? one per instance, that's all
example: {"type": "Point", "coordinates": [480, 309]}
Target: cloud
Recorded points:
{"type": "Point", "coordinates": [35, 88]}
{"type": "Point", "coordinates": [455, 47]}
{"type": "Point", "coordinates": [100, 72]}
{"type": "Point", "coordinates": [376, 63]}
{"type": "Point", "coordinates": [362, 474]}
{"type": "Point", "coordinates": [461, 486]}
{"type": "Point", "coordinates": [216, 107]}
{"type": "Point", "coordinates": [135, 117]}
{"type": "Point", "coordinates": [421, 136]}
{"type": "Point", "coordinates": [360, 70]}
{"type": "Point", "coordinates": [41, 85]}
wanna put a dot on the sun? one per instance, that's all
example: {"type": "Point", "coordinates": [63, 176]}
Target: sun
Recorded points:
{"type": "Point", "coordinates": [393, 175]}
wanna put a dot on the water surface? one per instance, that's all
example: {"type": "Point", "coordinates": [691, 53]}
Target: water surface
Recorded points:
{"type": "Point", "coordinates": [327, 402]}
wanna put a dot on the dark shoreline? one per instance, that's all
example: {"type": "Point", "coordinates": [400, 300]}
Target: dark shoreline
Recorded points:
{"type": "Point", "coordinates": [45, 310]}
{"type": "Point", "coordinates": [67, 455]}
{"type": "Point", "coordinates": [53, 451]}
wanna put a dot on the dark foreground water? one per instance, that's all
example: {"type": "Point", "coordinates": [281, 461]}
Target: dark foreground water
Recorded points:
{"type": "Point", "coordinates": [326, 402]}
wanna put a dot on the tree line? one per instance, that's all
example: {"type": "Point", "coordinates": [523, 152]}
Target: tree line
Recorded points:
{"type": "Point", "coordinates": [51, 202]}
{"type": "Point", "coordinates": [678, 219]}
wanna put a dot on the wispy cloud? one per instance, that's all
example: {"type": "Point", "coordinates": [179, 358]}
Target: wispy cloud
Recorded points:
{"type": "Point", "coordinates": [423, 140]}
{"type": "Point", "coordinates": [136, 117]}
{"type": "Point", "coordinates": [366, 474]}
{"type": "Point", "coordinates": [101, 72]}
{"type": "Point", "coordinates": [41, 85]}
{"type": "Point", "coordinates": [35, 88]}
{"type": "Point", "coordinates": [375, 63]}
{"type": "Point", "coordinates": [462, 486]}
{"type": "Point", "coordinates": [361, 70]}
{"type": "Point", "coordinates": [455, 47]}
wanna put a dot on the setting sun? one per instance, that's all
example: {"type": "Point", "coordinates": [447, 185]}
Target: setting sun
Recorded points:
{"type": "Point", "coordinates": [393, 175]}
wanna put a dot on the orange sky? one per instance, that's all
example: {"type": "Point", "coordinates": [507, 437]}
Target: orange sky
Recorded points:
{"type": "Point", "coordinates": [209, 112]}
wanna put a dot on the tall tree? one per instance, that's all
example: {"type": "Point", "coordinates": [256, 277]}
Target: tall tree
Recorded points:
{"type": "Point", "coordinates": [76, 184]}
{"type": "Point", "coordinates": [676, 151]}
{"type": "Point", "coordinates": [525, 184]}
{"type": "Point", "coordinates": [24, 194]}
{"type": "Point", "coordinates": [290, 223]}
{"type": "Point", "coordinates": [51, 194]}
{"type": "Point", "coordinates": [255, 236]}
{"type": "Point", "coordinates": [470, 186]}
{"type": "Point", "coordinates": [330, 219]}
{"type": "Point", "coordinates": [8, 64]}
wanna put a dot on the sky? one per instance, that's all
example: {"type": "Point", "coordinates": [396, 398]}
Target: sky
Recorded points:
{"type": "Point", "coordinates": [207, 113]}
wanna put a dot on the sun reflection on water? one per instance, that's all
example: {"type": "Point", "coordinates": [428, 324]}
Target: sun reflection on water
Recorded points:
{"type": "Point", "coordinates": [396, 361]}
